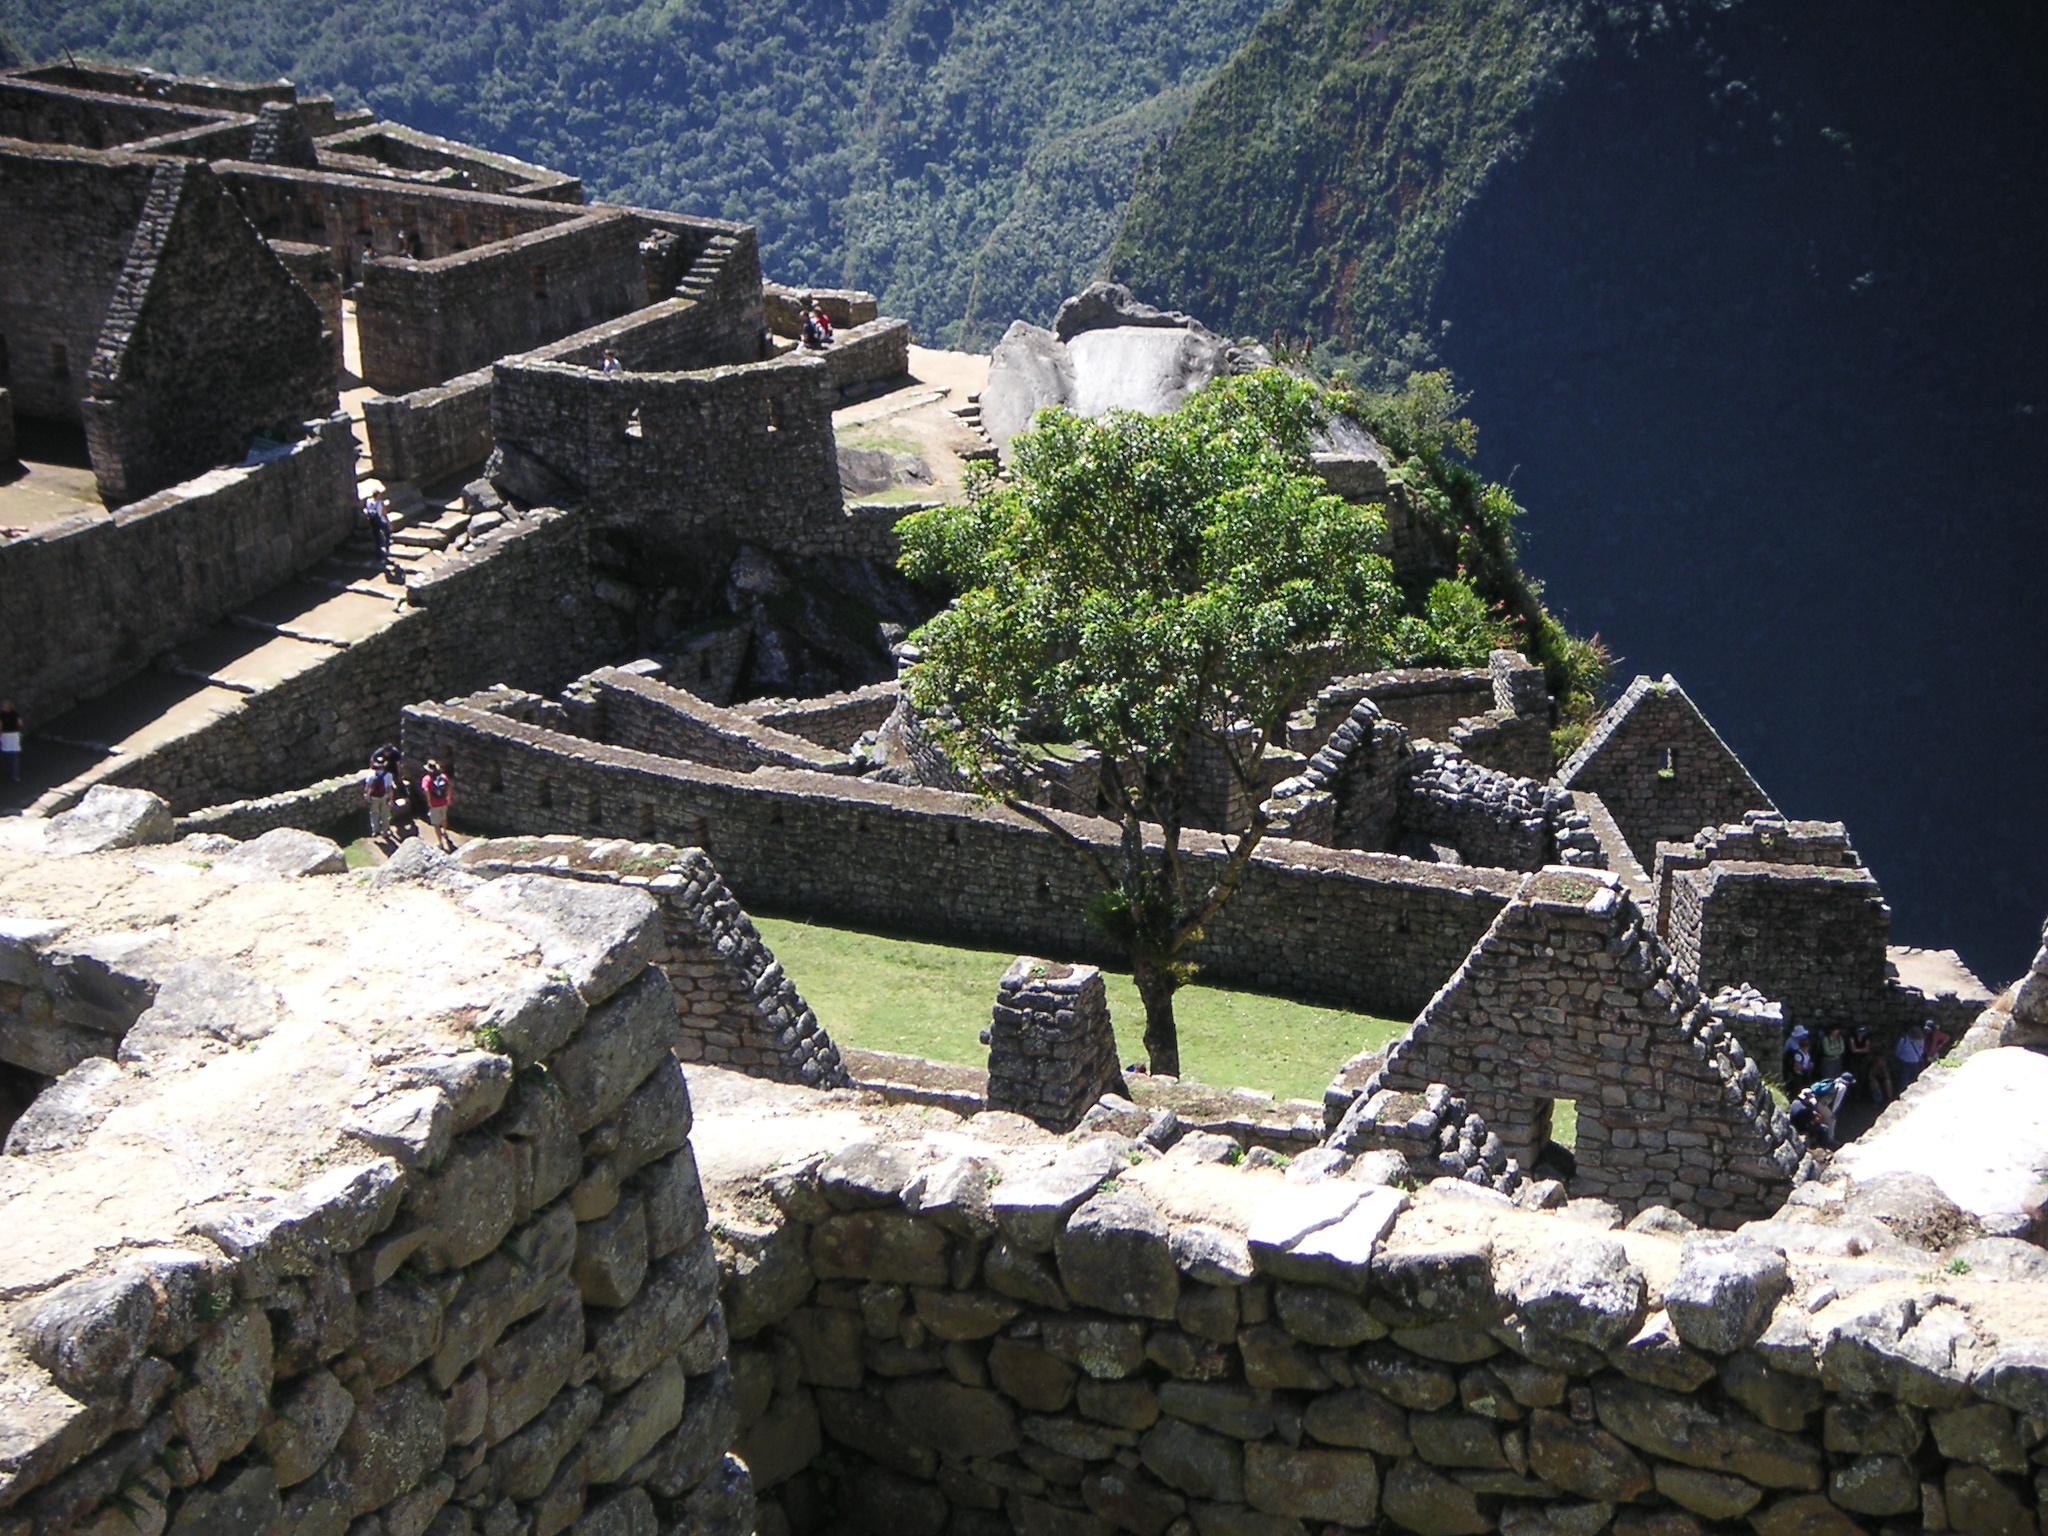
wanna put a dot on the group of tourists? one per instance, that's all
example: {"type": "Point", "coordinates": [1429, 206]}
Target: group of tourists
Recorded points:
{"type": "Point", "coordinates": [396, 807]}
{"type": "Point", "coordinates": [817, 325]}
{"type": "Point", "coordinates": [1822, 1072]}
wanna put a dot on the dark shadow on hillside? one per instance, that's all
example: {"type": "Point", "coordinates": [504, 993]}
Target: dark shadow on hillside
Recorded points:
{"type": "Point", "coordinates": [1758, 330]}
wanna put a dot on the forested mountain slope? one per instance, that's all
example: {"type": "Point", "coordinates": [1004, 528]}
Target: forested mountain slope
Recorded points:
{"type": "Point", "coordinates": [878, 143]}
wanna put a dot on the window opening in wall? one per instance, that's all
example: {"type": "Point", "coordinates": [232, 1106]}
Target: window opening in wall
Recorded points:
{"type": "Point", "coordinates": [1666, 769]}
{"type": "Point", "coordinates": [540, 283]}
{"type": "Point", "coordinates": [497, 778]}
{"type": "Point", "coordinates": [60, 360]}
{"type": "Point", "coordinates": [644, 822]}
{"type": "Point", "coordinates": [704, 667]}
{"type": "Point", "coordinates": [547, 795]}
{"type": "Point", "coordinates": [594, 811]}
{"type": "Point", "coordinates": [1555, 1135]}
{"type": "Point", "coordinates": [633, 427]}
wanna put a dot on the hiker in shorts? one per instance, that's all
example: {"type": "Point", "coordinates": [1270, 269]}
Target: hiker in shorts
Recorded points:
{"type": "Point", "coordinates": [380, 788]}
{"type": "Point", "coordinates": [437, 789]}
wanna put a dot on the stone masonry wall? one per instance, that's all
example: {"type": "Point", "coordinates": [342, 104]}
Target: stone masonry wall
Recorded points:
{"type": "Point", "coordinates": [208, 343]}
{"type": "Point", "coordinates": [469, 624]}
{"type": "Point", "coordinates": [1810, 937]}
{"type": "Point", "coordinates": [1761, 837]}
{"type": "Point", "coordinates": [491, 1303]}
{"type": "Point", "coordinates": [1051, 1048]}
{"type": "Point", "coordinates": [89, 600]}
{"type": "Point", "coordinates": [628, 710]}
{"type": "Point", "coordinates": [45, 114]}
{"type": "Point", "coordinates": [352, 214]}
{"type": "Point", "coordinates": [423, 322]}
{"type": "Point", "coordinates": [1662, 770]}
{"type": "Point", "coordinates": [738, 453]}
{"type": "Point", "coordinates": [51, 312]}
{"type": "Point", "coordinates": [1364, 930]}
{"type": "Point", "coordinates": [736, 1006]}
{"type": "Point", "coordinates": [432, 432]}
{"type": "Point", "coordinates": [1087, 1338]}
{"type": "Point", "coordinates": [1569, 996]}
{"type": "Point", "coordinates": [836, 720]}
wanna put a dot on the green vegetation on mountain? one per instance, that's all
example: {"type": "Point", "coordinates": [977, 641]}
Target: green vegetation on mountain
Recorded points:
{"type": "Point", "coordinates": [878, 143]}
{"type": "Point", "coordinates": [1321, 176]}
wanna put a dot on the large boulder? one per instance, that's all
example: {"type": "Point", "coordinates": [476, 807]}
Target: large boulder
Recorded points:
{"type": "Point", "coordinates": [109, 817]}
{"type": "Point", "coordinates": [283, 853]}
{"type": "Point", "coordinates": [1028, 371]}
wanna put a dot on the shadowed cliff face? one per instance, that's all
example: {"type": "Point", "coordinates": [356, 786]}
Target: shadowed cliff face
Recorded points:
{"type": "Point", "coordinates": [1759, 330]}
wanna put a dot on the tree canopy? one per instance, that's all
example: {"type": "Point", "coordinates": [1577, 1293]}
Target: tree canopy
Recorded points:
{"type": "Point", "coordinates": [1148, 585]}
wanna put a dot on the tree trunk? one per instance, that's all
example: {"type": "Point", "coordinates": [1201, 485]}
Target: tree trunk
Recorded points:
{"type": "Point", "coordinates": [1156, 986]}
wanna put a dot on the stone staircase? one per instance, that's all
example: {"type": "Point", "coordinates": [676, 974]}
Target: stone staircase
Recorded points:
{"type": "Point", "coordinates": [703, 273]}
{"type": "Point", "coordinates": [984, 451]}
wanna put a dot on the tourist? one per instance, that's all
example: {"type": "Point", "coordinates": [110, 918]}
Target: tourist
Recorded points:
{"type": "Point", "coordinates": [1815, 1112]}
{"type": "Point", "coordinates": [611, 363]}
{"type": "Point", "coordinates": [1798, 1067]}
{"type": "Point", "coordinates": [1870, 1066]}
{"type": "Point", "coordinates": [378, 511]}
{"type": "Point", "coordinates": [10, 738]}
{"type": "Point", "coordinates": [817, 329]}
{"type": "Point", "coordinates": [437, 789]}
{"type": "Point", "coordinates": [1833, 1054]}
{"type": "Point", "coordinates": [1938, 1041]}
{"type": "Point", "coordinates": [380, 788]}
{"type": "Point", "coordinates": [1911, 1052]}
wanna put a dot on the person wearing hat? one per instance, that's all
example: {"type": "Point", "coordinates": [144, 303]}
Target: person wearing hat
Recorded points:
{"type": "Point", "coordinates": [438, 790]}
{"type": "Point", "coordinates": [1798, 1065]}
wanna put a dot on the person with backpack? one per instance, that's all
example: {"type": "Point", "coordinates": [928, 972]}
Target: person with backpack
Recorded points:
{"type": "Point", "coordinates": [380, 788]}
{"type": "Point", "coordinates": [438, 790]}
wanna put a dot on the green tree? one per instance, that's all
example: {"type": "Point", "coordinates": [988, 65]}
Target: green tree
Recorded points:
{"type": "Point", "coordinates": [1145, 585]}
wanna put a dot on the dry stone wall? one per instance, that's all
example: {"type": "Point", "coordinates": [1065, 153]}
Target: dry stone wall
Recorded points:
{"type": "Point", "coordinates": [208, 343]}
{"type": "Point", "coordinates": [1569, 996]}
{"type": "Point", "coordinates": [1812, 937]}
{"type": "Point", "coordinates": [987, 1336]}
{"type": "Point", "coordinates": [836, 720]}
{"type": "Point", "coordinates": [90, 600]}
{"type": "Point", "coordinates": [1051, 1048]}
{"type": "Point", "coordinates": [490, 1305]}
{"type": "Point", "coordinates": [737, 1007]}
{"type": "Point", "coordinates": [628, 710]}
{"type": "Point", "coordinates": [1662, 770]}
{"type": "Point", "coordinates": [1363, 930]}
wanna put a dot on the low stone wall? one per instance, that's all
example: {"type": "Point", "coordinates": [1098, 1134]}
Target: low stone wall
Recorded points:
{"type": "Point", "coordinates": [631, 711]}
{"type": "Point", "coordinates": [316, 808]}
{"type": "Point", "coordinates": [987, 1338]}
{"type": "Point", "coordinates": [1362, 930]}
{"type": "Point", "coordinates": [835, 720]}
{"type": "Point", "coordinates": [782, 307]}
{"type": "Point", "coordinates": [871, 354]}
{"type": "Point", "coordinates": [90, 600]}
{"type": "Point", "coordinates": [462, 1280]}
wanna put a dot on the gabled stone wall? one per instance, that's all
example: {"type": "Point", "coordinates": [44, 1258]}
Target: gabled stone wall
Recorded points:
{"type": "Point", "coordinates": [1569, 996]}
{"type": "Point", "coordinates": [628, 710]}
{"type": "Point", "coordinates": [1663, 771]}
{"type": "Point", "coordinates": [209, 343]}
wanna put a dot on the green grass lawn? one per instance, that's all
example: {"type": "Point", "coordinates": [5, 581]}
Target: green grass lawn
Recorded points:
{"type": "Point", "coordinates": [932, 1000]}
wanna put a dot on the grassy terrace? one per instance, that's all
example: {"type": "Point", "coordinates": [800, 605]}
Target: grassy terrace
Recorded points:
{"type": "Point", "coordinates": [878, 993]}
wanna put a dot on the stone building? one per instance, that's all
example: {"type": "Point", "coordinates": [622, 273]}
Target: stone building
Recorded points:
{"type": "Point", "coordinates": [1662, 770]}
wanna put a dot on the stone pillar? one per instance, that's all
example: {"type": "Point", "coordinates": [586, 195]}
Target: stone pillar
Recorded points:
{"type": "Point", "coordinates": [1051, 1050]}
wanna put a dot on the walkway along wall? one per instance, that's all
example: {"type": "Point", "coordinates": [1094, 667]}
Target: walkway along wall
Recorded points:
{"type": "Point", "coordinates": [1366, 931]}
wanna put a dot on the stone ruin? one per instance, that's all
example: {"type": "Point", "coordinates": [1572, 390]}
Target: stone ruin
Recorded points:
{"type": "Point", "coordinates": [458, 1244]}
{"type": "Point", "coordinates": [407, 1233]}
